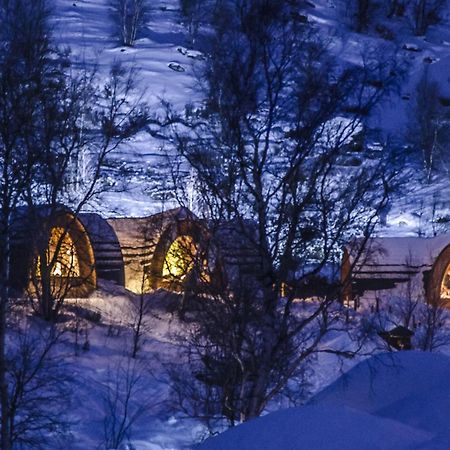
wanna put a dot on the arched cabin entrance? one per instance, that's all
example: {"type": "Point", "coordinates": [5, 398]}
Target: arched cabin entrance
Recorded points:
{"type": "Point", "coordinates": [51, 251]}
{"type": "Point", "coordinates": [179, 254]}
{"type": "Point", "coordinates": [404, 266]}
{"type": "Point", "coordinates": [438, 288]}
{"type": "Point", "coordinates": [67, 258]}
{"type": "Point", "coordinates": [160, 251]}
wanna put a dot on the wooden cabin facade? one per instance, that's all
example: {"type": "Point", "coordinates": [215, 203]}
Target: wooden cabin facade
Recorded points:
{"type": "Point", "coordinates": [165, 250]}
{"type": "Point", "coordinates": [158, 251]}
{"type": "Point", "coordinates": [418, 268]}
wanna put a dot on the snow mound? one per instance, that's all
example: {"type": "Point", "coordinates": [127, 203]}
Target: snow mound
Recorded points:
{"type": "Point", "coordinates": [390, 401]}
{"type": "Point", "coordinates": [318, 427]}
{"type": "Point", "coordinates": [410, 387]}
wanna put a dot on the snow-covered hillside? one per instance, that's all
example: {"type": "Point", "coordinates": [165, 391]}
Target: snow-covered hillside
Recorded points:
{"type": "Point", "coordinates": [166, 70]}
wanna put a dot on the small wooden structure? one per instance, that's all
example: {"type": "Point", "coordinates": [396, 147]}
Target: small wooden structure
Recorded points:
{"type": "Point", "coordinates": [398, 338]}
{"type": "Point", "coordinates": [404, 266]}
{"type": "Point", "coordinates": [106, 247]}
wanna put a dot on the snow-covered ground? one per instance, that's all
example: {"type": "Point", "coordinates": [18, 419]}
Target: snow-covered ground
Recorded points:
{"type": "Point", "coordinates": [390, 401]}
{"type": "Point", "coordinates": [96, 367]}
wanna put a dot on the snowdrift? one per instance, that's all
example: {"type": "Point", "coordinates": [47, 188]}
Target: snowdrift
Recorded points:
{"type": "Point", "coordinates": [390, 401]}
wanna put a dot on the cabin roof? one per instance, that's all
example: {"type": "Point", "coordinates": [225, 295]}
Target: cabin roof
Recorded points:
{"type": "Point", "coordinates": [398, 254]}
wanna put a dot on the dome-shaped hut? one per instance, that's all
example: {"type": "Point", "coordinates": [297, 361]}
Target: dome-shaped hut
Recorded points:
{"type": "Point", "coordinates": [159, 251]}
{"type": "Point", "coordinates": [51, 250]}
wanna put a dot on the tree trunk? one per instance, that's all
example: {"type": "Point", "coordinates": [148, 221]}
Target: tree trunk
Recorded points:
{"type": "Point", "coordinates": [46, 300]}
{"type": "Point", "coordinates": [5, 440]}
{"type": "Point", "coordinates": [421, 18]}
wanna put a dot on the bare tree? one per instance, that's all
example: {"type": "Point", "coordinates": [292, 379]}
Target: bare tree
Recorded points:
{"type": "Point", "coordinates": [126, 399]}
{"type": "Point", "coordinates": [23, 56]}
{"type": "Point", "coordinates": [396, 8]}
{"type": "Point", "coordinates": [38, 382]}
{"type": "Point", "coordinates": [139, 320]}
{"type": "Point", "coordinates": [198, 13]}
{"type": "Point", "coordinates": [191, 11]}
{"type": "Point", "coordinates": [77, 117]}
{"type": "Point", "coordinates": [425, 13]}
{"type": "Point", "coordinates": [266, 149]}
{"type": "Point", "coordinates": [362, 12]}
{"type": "Point", "coordinates": [430, 126]}
{"type": "Point", "coordinates": [49, 115]}
{"type": "Point", "coordinates": [432, 330]}
{"type": "Point", "coordinates": [131, 16]}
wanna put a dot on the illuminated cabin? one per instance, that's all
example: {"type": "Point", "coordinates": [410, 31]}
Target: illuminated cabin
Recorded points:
{"type": "Point", "coordinates": [167, 250]}
{"type": "Point", "coordinates": [402, 267]}
{"type": "Point", "coordinates": [159, 251]}
{"type": "Point", "coordinates": [60, 245]}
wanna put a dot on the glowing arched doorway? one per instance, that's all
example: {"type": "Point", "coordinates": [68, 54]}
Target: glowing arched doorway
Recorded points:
{"type": "Point", "coordinates": [180, 258]}
{"type": "Point", "coordinates": [63, 254]}
{"type": "Point", "coordinates": [445, 285]}
{"type": "Point", "coordinates": [64, 264]}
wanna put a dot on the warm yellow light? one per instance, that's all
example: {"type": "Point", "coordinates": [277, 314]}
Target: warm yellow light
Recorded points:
{"type": "Point", "coordinates": [67, 263]}
{"type": "Point", "coordinates": [445, 286]}
{"type": "Point", "coordinates": [179, 259]}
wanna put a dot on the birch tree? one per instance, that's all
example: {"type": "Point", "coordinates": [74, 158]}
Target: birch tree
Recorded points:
{"type": "Point", "coordinates": [267, 150]}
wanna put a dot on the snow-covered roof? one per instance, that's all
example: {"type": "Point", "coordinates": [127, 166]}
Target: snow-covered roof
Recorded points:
{"type": "Point", "coordinates": [404, 252]}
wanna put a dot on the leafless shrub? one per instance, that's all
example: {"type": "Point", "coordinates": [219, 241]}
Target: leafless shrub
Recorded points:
{"type": "Point", "coordinates": [39, 388]}
{"type": "Point", "coordinates": [131, 16]}
{"type": "Point", "coordinates": [126, 399]}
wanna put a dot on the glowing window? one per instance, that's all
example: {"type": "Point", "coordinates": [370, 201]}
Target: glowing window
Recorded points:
{"type": "Point", "coordinates": [67, 263]}
{"type": "Point", "coordinates": [179, 258]}
{"type": "Point", "coordinates": [445, 285]}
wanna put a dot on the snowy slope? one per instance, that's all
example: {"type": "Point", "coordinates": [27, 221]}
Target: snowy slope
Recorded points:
{"type": "Point", "coordinates": [87, 27]}
{"type": "Point", "coordinates": [317, 428]}
{"type": "Point", "coordinates": [411, 387]}
{"type": "Point", "coordinates": [391, 401]}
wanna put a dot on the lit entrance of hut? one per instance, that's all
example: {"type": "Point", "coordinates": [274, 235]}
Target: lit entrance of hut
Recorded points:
{"type": "Point", "coordinates": [445, 285]}
{"type": "Point", "coordinates": [180, 258]}
{"type": "Point", "coordinates": [66, 261]}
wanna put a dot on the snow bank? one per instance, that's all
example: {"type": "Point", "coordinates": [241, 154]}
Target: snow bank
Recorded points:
{"type": "Point", "coordinates": [410, 387]}
{"type": "Point", "coordinates": [391, 401]}
{"type": "Point", "coordinates": [318, 427]}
